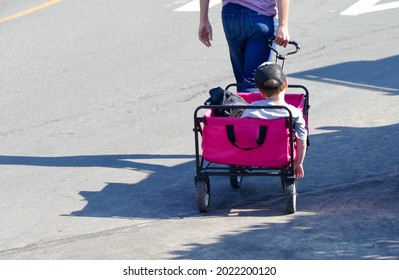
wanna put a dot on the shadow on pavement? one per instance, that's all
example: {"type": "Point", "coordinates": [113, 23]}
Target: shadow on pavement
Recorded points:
{"type": "Point", "coordinates": [347, 203]}
{"type": "Point", "coordinates": [343, 155]}
{"type": "Point", "coordinates": [355, 222]}
{"type": "Point", "coordinates": [378, 75]}
{"type": "Point", "coordinates": [347, 206]}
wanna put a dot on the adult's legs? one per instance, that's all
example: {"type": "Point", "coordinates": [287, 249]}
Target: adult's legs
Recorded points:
{"type": "Point", "coordinates": [233, 19]}
{"type": "Point", "coordinates": [247, 34]}
{"type": "Point", "coordinates": [259, 29]}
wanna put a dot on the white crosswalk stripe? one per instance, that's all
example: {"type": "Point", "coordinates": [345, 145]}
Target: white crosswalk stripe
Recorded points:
{"type": "Point", "coordinates": [368, 6]}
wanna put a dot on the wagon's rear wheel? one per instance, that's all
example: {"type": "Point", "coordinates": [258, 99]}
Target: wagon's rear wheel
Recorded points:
{"type": "Point", "coordinates": [235, 180]}
{"type": "Point", "coordinates": [202, 185]}
{"type": "Point", "coordinates": [290, 195]}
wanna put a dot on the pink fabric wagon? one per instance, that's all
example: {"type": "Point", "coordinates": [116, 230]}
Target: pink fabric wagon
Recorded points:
{"type": "Point", "coordinates": [249, 141]}
{"type": "Point", "coordinates": [238, 147]}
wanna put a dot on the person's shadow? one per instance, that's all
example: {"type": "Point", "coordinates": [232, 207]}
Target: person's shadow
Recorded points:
{"type": "Point", "coordinates": [378, 75]}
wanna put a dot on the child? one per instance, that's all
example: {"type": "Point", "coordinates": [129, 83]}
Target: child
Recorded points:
{"type": "Point", "coordinates": [271, 82]}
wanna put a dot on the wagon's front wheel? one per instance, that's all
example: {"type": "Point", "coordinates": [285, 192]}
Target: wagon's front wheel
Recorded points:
{"type": "Point", "coordinates": [203, 194]}
{"type": "Point", "coordinates": [235, 180]}
{"type": "Point", "coordinates": [283, 183]}
{"type": "Point", "coordinates": [290, 195]}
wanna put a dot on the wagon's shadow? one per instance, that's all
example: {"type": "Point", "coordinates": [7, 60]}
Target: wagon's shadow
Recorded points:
{"type": "Point", "coordinates": [166, 190]}
{"type": "Point", "coordinates": [340, 155]}
{"type": "Point", "coordinates": [378, 75]}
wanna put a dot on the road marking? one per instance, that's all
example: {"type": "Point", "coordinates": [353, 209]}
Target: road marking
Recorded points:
{"type": "Point", "coordinates": [31, 10]}
{"type": "Point", "coordinates": [368, 6]}
{"type": "Point", "coordinates": [193, 6]}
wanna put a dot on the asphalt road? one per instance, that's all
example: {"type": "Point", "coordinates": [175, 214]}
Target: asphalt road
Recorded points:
{"type": "Point", "coordinates": [97, 148]}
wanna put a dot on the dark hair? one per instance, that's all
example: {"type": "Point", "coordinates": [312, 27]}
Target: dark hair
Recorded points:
{"type": "Point", "coordinates": [270, 92]}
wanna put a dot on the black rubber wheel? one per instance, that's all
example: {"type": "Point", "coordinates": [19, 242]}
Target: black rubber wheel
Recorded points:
{"type": "Point", "coordinates": [290, 196]}
{"type": "Point", "coordinates": [283, 184]}
{"type": "Point", "coordinates": [203, 194]}
{"type": "Point", "coordinates": [235, 180]}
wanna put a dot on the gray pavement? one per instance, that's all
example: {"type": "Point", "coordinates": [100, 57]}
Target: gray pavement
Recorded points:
{"type": "Point", "coordinates": [97, 148]}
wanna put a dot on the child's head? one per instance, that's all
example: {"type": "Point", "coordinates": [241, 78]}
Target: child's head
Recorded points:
{"type": "Point", "coordinates": [270, 79]}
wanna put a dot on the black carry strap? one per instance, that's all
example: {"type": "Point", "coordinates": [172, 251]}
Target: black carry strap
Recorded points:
{"type": "Point", "coordinates": [260, 141]}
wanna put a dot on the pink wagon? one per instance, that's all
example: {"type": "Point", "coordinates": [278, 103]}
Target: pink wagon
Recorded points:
{"type": "Point", "coordinates": [239, 147]}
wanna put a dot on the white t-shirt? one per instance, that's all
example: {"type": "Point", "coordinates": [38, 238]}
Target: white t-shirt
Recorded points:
{"type": "Point", "coordinates": [300, 124]}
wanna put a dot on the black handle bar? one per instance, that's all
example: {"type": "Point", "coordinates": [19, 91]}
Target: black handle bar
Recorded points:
{"type": "Point", "coordinates": [284, 56]}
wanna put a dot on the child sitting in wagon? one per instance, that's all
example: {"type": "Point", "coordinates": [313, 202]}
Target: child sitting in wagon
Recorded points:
{"type": "Point", "coordinates": [271, 82]}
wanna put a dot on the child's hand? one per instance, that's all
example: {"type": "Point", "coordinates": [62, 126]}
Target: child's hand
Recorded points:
{"type": "Point", "coordinates": [299, 172]}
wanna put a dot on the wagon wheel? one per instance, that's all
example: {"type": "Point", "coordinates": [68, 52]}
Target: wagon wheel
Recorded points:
{"type": "Point", "coordinates": [203, 194]}
{"type": "Point", "coordinates": [283, 184]}
{"type": "Point", "coordinates": [290, 196]}
{"type": "Point", "coordinates": [235, 180]}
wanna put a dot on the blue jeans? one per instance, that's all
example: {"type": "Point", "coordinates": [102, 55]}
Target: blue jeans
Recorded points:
{"type": "Point", "coordinates": [247, 33]}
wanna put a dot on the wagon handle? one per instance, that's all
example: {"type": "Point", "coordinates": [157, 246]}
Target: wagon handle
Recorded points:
{"type": "Point", "coordinates": [283, 56]}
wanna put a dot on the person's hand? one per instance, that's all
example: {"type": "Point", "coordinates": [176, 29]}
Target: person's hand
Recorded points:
{"type": "Point", "coordinates": [205, 33]}
{"type": "Point", "coordinates": [282, 36]}
{"type": "Point", "coordinates": [299, 172]}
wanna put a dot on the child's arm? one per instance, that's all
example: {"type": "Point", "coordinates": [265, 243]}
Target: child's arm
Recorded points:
{"type": "Point", "coordinates": [301, 152]}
